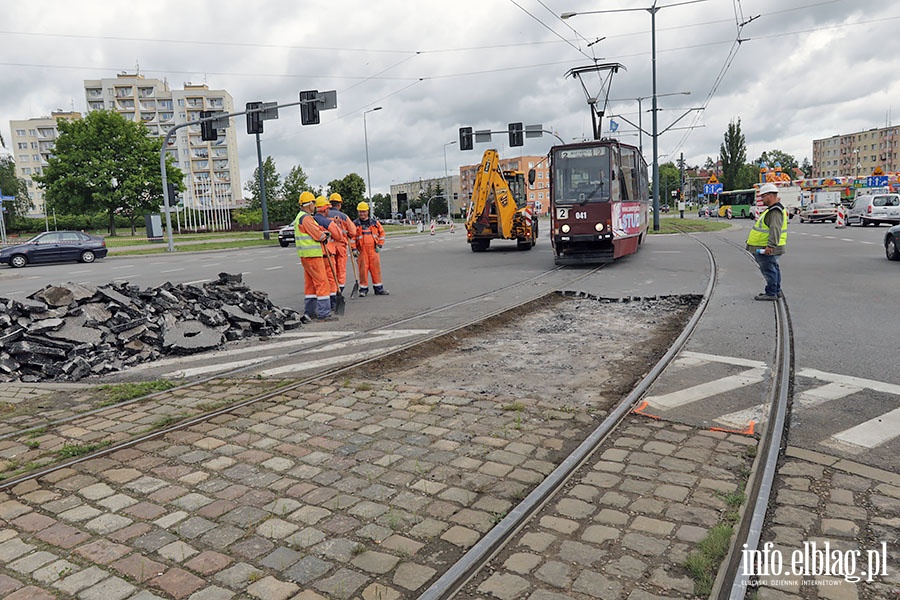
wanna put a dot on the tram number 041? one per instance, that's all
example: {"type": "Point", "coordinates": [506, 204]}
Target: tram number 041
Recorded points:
{"type": "Point", "coordinates": [580, 214]}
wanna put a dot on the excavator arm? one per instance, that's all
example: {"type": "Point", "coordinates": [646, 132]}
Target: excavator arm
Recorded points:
{"type": "Point", "coordinates": [492, 195]}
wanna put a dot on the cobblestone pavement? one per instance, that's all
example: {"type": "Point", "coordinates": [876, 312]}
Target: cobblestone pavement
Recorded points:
{"type": "Point", "coordinates": [628, 520]}
{"type": "Point", "coordinates": [368, 495]}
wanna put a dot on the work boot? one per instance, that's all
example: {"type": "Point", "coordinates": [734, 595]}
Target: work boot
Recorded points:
{"type": "Point", "coordinates": [765, 297]}
{"type": "Point", "coordinates": [363, 292]}
{"type": "Point", "coordinates": [380, 291]}
{"type": "Point", "coordinates": [327, 319]}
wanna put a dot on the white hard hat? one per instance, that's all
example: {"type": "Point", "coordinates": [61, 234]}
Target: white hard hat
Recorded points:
{"type": "Point", "coordinates": [768, 188]}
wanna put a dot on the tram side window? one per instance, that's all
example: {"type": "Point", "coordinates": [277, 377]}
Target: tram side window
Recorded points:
{"type": "Point", "coordinates": [629, 174]}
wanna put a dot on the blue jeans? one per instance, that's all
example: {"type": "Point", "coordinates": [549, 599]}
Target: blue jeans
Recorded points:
{"type": "Point", "coordinates": [771, 272]}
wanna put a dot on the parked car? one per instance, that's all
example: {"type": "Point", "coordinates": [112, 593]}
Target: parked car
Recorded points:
{"type": "Point", "coordinates": [874, 210]}
{"type": "Point", "coordinates": [55, 246]}
{"type": "Point", "coordinates": [891, 243]}
{"type": "Point", "coordinates": [818, 212]}
{"type": "Point", "coordinates": [286, 236]}
{"type": "Point", "coordinates": [707, 211]}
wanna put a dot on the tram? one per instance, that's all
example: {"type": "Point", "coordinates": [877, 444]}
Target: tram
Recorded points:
{"type": "Point", "coordinates": [599, 201]}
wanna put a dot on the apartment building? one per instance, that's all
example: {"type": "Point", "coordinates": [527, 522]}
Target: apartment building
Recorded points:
{"type": "Point", "coordinates": [857, 154]}
{"type": "Point", "coordinates": [211, 170]}
{"type": "Point", "coordinates": [449, 185]}
{"type": "Point", "coordinates": [32, 143]}
{"type": "Point", "coordinates": [538, 192]}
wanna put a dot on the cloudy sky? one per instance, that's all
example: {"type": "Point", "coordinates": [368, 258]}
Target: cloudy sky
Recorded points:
{"type": "Point", "coordinates": [805, 69]}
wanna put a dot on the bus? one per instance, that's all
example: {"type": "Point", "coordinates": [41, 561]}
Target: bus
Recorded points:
{"type": "Point", "coordinates": [599, 201]}
{"type": "Point", "coordinates": [741, 203]}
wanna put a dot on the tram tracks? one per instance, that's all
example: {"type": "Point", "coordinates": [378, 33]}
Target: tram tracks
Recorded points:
{"type": "Point", "coordinates": [456, 576]}
{"type": "Point", "coordinates": [247, 372]}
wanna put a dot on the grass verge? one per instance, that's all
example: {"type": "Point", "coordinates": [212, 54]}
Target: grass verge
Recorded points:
{"type": "Point", "coordinates": [120, 392]}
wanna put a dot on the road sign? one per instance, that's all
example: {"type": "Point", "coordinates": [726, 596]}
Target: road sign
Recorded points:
{"type": "Point", "coordinates": [712, 188]}
{"type": "Point", "coordinates": [876, 181]}
{"type": "Point", "coordinates": [713, 179]}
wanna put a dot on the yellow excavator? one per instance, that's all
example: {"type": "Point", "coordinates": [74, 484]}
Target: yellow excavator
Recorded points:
{"type": "Point", "coordinates": [499, 207]}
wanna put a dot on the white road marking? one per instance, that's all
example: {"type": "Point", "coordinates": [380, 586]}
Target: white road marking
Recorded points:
{"type": "Point", "coordinates": [311, 365]}
{"type": "Point", "coordinates": [197, 281]}
{"type": "Point", "coordinates": [807, 399]}
{"type": "Point", "coordinates": [878, 386]}
{"type": "Point", "coordinates": [171, 270]}
{"type": "Point", "coordinates": [705, 390]}
{"type": "Point", "coordinates": [869, 434]}
{"type": "Point", "coordinates": [728, 360]}
{"type": "Point", "coordinates": [274, 268]}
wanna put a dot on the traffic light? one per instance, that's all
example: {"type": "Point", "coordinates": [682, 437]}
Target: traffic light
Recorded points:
{"type": "Point", "coordinates": [516, 137]}
{"type": "Point", "coordinates": [171, 188]}
{"type": "Point", "coordinates": [208, 131]}
{"type": "Point", "coordinates": [465, 138]}
{"type": "Point", "coordinates": [254, 119]}
{"type": "Point", "coordinates": [309, 110]}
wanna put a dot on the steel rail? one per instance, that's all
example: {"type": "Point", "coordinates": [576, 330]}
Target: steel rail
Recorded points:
{"type": "Point", "coordinates": [488, 546]}
{"type": "Point", "coordinates": [13, 481]}
{"type": "Point", "coordinates": [732, 583]}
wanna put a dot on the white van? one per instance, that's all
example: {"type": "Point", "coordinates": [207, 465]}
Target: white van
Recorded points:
{"type": "Point", "coordinates": [874, 210]}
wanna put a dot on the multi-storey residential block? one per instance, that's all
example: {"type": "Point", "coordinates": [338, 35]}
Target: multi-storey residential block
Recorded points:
{"type": "Point", "coordinates": [211, 169]}
{"type": "Point", "coordinates": [448, 185]}
{"type": "Point", "coordinates": [33, 141]}
{"type": "Point", "coordinates": [538, 192]}
{"type": "Point", "coordinates": [857, 154]}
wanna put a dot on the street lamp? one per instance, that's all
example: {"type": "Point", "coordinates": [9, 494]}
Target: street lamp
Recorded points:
{"type": "Point", "coordinates": [447, 178]}
{"type": "Point", "coordinates": [858, 165]}
{"type": "Point", "coordinates": [641, 113]}
{"type": "Point", "coordinates": [652, 10]}
{"type": "Point", "coordinates": [366, 136]}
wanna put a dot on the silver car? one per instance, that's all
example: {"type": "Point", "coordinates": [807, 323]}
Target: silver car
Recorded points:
{"type": "Point", "coordinates": [874, 210]}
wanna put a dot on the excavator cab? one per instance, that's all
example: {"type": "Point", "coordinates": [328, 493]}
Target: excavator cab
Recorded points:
{"type": "Point", "coordinates": [499, 207]}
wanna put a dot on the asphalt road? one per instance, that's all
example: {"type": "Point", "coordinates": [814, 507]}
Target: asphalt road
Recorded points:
{"type": "Point", "coordinates": [840, 289]}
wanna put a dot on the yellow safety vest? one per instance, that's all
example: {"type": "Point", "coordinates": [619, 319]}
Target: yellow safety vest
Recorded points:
{"type": "Point", "coordinates": [759, 235]}
{"type": "Point", "coordinates": [306, 246]}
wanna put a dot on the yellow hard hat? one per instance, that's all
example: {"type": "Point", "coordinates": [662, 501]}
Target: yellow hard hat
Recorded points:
{"type": "Point", "coordinates": [322, 201]}
{"type": "Point", "coordinates": [306, 198]}
{"type": "Point", "coordinates": [362, 206]}
{"type": "Point", "coordinates": [335, 197]}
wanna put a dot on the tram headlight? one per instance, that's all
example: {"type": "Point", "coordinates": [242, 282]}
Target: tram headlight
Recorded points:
{"type": "Point", "coordinates": [599, 226]}
{"type": "Point", "coordinates": [565, 229]}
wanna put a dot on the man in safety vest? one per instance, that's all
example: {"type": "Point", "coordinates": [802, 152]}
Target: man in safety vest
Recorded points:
{"type": "Point", "coordinates": [767, 241]}
{"type": "Point", "coordinates": [369, 241]}
{"type": "Point", "coordinates": [349, 230]}
{"type": "Point", "coordinates": [309, 237]}
{"type": "Point", "coordinates": [336, 240]}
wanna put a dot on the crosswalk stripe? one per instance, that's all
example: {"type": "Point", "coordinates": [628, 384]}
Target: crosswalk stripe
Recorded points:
{"type": "Point", "coordinates": [871, 433]}
{"type": "Point", "coordinates": [806, 399]}
{"type": "Point", "coordinates": [878, 386]}
{"type": "Point", "coordinates": [728, 360]}
{"type": "Point", "coordinates": [705, 390]}
{"type": "Point", "coordinates": [312, 365]}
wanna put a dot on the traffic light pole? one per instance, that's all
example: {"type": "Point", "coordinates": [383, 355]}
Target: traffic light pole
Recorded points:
{"type": "Point", "coordinates": [162, 161]}
{"type": "Point", "coordinates": [262, 190]}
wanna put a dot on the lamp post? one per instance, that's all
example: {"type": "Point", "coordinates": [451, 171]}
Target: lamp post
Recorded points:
{"type": "Point", "coordinates": [858, 165]}
{"type": "Point", "coordinates": [653, 9]}
{"type": "Point", "coordinates": [447, 178]}
{"type": "Point", "coordinates": [366, 136]}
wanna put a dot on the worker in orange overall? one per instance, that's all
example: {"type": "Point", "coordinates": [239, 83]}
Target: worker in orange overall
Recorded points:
{"type": "Point", "coordinates": [336, 239]}
{"type": "Point", "coordinates": [349, 230]}
{"type": "Point", "coordinates": [369, 242]}
{"type": "Point", "coordinates": [309, 237]}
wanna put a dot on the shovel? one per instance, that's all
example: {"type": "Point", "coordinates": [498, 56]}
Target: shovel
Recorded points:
{"type": "Point", "coordinates": [339, 300]}
{"type": "Point", "coordinates": [355, 289]}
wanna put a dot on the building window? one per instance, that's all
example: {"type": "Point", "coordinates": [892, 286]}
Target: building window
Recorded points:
{"type": "Point", "coordinates": [20, 132]}
{"type": "Point", "coordinates": [26, 171]}
{"type": "Point", "coordinates": [32, 132]}
{"type": "Point", "coordinates": [23, 145]}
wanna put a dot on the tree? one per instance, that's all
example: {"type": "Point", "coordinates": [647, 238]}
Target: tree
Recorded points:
{"type": "Point", "coordinates": [733, 154]}
{"type": "Point", "coordinates": [806, 167]}
{"type": "Point", "coordinates": [106, 163]}
{"type": "Point", "coordinates": [748, 174]}
{"type": "Point", "coordinates": [284, 209]}
{"type": "Point", "coordinates": [382, 205]}
{"type": "Point", "coordinates": [10, 185]}
{"type": "Point", "coordinates": [710, 165]}
{"type": "Point", "coordinates": [352, 189]}
{"type": "Point", "coordinates": [669, 180]}
{"type": "Point", "coordinates": [272, 182]}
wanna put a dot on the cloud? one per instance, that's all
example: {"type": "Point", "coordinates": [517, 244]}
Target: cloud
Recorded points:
{"type": "Point", "coordinates": [806, 70]}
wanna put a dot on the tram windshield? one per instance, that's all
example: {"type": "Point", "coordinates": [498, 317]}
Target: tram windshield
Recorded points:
{"type": "Point", "coordinates": [581, 175]}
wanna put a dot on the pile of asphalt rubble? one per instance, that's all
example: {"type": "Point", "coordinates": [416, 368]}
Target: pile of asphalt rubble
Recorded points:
{"type": "Point", "coordinates": [68, 332]}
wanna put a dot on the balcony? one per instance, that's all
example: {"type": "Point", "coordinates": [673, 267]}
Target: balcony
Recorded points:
{"type": "Point", "coordinates": [124, 92]}
{"type": "Point", "coordinates": [148, 116]}
{"type": "Point", "coordinates": [195, 102]}
{"type": "Point", "coordinates": [96, 105]}
{"type": "Point", "coordinates": [146, 92]}
{"type": "Point", "coordinates": [166, 116]}
{"type": "Point", "coordinates": [94, 93]}
{"type": "Point", "coordinates": [148, 104]}
{"type": "Point", "coordinates": [126, 104]}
